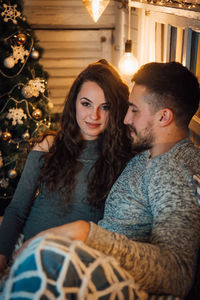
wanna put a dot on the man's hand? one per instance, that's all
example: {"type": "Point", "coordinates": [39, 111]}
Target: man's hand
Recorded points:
{"type": "Point", "coordinates": [77, 230]}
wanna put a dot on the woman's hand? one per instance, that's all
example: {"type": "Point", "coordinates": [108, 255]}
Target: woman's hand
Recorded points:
{"type": "Point", "coordinates": [78, 230]}
{"type": "Point", "coordinates": [3, 264]}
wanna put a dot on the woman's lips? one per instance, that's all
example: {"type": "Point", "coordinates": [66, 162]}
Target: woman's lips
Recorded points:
{"type": "Point", "coordinates": [92, 125]}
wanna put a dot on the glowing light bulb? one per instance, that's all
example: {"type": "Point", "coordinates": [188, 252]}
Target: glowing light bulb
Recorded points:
{"type": "Point", "coordinates": [128, 63]}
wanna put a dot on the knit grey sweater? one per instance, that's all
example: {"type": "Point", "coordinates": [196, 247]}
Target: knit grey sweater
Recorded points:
{"type": "Point", "coordinates": [29, 215]}
{"type": "Point", "coordinates": [151, 222]}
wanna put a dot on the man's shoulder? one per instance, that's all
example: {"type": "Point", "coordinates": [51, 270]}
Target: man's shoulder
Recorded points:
{"type": "Point", "coordinates": [188, 151]}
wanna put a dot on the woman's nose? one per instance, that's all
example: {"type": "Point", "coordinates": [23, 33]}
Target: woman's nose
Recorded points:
{"type": "Point", "coordinates": [95, 114]}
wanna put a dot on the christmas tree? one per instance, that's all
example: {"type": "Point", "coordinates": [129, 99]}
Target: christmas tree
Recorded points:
{"type": "Point", "coordinates": [24, 104]}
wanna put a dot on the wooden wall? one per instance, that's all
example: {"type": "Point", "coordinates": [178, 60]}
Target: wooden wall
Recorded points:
{"type": "Point", "coordinates": [66, 53]}
{"type": "Point", "coordinates": [68, 14]}
{"type": "Point", "coordinates": [70, 40]}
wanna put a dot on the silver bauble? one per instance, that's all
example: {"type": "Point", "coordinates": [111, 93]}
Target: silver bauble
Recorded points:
{"type": "Point", "coordinates": [27, 92]}
{"type": "Point", "coordinates": [9, 62]}
{"type": "Point", "coordinates": [35, 54]}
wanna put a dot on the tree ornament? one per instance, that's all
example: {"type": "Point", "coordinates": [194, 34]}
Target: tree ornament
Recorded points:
{"type": "Point", "coordinates": [26, 135]}
{"type": "Point", "coordinates": [37, 114]}
{"type": "Point", "coordinates": [27, 92]}
{"type": "Point", "coordinates": [12, 173]}
{"type": "Point", "coordinates": [4, 183]}
{"type": "Point", "coordinates": [33, 88]}
{"type": "Point", "coordinates": [19, 53]}
{"type": "Point", "coordinates": [35, 54]}
{"type": "Point", "coordinates": [16, 114]}
{"type": "Point", "coordinates": [1, 160]}
{"type": "Point", "coordinates": [9, 62]}
{"type": "Point", "coordinates": [21, 38]}
{"type": "Point", "coordinates": [10, 13]}
{"type": "Point", "coordinates": [6, 136]}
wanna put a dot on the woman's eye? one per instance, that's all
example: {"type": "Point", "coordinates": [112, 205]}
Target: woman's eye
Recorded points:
{"type": "Point", "coordinates": [85, 103]}
{"type": "Point", "coordinates": [105, 107]}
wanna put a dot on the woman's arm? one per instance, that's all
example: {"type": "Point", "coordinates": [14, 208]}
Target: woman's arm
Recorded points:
{"type": "Point", "coordinates": [17, 211]}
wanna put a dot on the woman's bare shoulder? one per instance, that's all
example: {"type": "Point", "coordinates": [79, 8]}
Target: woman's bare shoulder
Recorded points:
{"type": "Point", "coordinates": [45, 144]}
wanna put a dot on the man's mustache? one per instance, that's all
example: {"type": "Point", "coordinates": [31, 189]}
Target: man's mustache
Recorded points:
{"type": "Point", "coordinates": [131, 128]}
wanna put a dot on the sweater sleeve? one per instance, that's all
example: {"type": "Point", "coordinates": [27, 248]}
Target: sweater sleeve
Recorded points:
{"type": "Point", "coordinates": [18, 209]}
{"type": "Point", "coordinates": [166, 263]}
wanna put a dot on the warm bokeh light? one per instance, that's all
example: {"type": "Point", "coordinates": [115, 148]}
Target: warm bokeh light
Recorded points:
{"type": "Point", "coordinates": [128, 63]}
{"type": "Point", "coordinates": [95, 7]}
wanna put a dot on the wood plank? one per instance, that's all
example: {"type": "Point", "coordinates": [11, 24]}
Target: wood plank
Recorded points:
{"type": "Point", "coordinates": [65, 63]}
{"type": "Point", "coordinates": [66, 14]}
{"type": "Point", "coordinates": [64, 82]}
{"type": "Point", "coordinates": [59, 93]}
{"type": "Point", "coordinates": [64, 72]}
{"type": "Point", "coordinates": [179, 44]}
{"type": "Point", "coordinates": [187, 47]}
{"type": "Point", "coordinates": [70, 45]}
{"type": "Point", "coordinates": [53, 3]}
{"type": "Point", "coordinates": [73, 53]}
{"type": "Point", "coordinates": [167, 38]}
{"type": "Point", "coordinates": [198, 60]}
{"type": "Point", "coordinates": [72, 36]}
{"type": "Point", "coordinates": [158, 42]}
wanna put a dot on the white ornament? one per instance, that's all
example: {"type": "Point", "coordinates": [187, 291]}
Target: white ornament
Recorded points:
{"type": "Point", "coordinates": [9, 62]}
{"type": "Point", "coordinates": [27, 91]}
{"type": "Point", "coordinates": [37, 84]}
{"type": "Point", "coordinates": [10, 13]}
{"type": "Point", "coordinates": [19, 53]}
{"type": "Point", "coordinates": [33, 87]}
{"type": "Point", "coordinates": [16, 114]}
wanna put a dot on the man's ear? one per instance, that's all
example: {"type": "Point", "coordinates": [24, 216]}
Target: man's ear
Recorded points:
{"type": "Point", "coordinates": [165, 117]}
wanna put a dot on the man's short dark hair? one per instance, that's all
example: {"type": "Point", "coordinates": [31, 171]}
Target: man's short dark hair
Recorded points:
{"type": "Point", "coordinates": [172, 85]}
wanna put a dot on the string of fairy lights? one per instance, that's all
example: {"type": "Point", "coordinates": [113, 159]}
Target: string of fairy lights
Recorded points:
{"type": "Point", "coordinates": [185, 4]}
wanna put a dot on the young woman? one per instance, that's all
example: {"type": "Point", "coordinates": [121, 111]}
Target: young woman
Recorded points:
{"type": "Point", "coordinates": [68, 175]}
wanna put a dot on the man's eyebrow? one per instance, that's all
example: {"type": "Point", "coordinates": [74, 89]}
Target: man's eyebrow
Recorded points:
{"type": "Point", "coordinates": [85, 98]}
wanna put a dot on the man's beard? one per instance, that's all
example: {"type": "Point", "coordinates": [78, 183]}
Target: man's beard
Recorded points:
{"type": "Point", "coordinates": [143, 141]}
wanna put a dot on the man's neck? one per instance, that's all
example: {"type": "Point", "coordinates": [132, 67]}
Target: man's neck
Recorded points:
{"type": "Point", "coordinates": [163, 146]}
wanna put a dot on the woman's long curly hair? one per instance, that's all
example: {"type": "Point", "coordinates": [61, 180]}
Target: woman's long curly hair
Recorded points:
{"type": "Point", "coordinates": [61, 163]}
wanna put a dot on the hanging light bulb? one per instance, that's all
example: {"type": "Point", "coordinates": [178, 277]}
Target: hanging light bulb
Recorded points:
{"type": "Point", "coordinates": [128, 63]}
{"type": "Point", "coordinates": [95, 7]}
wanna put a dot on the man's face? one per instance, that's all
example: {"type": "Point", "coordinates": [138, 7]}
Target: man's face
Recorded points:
{"type": "Point", "coordinates": [140, 119]}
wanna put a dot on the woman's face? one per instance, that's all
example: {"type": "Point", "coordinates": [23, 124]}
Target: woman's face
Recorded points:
{"type": "Point", "coordinates": [92, 111]}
